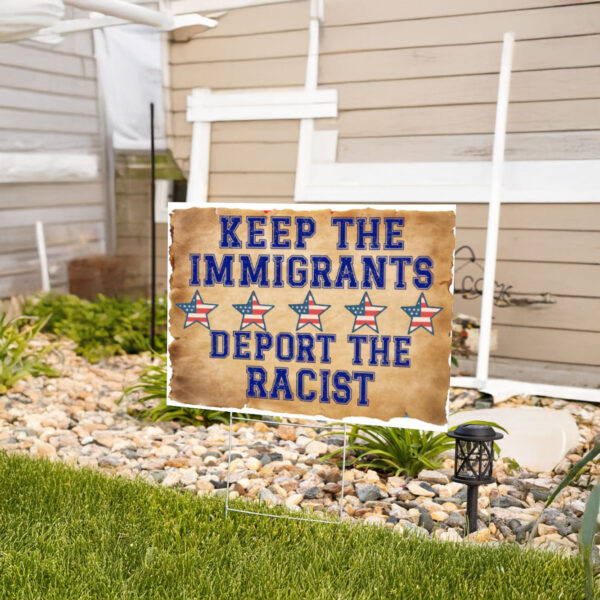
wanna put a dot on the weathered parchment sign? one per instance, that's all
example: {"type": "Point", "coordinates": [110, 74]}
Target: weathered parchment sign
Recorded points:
{"type": "Point", "coordinates": [343, 313]}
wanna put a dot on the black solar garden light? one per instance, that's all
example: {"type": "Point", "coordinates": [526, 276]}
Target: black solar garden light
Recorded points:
{"type": "Point", "coordinates": [473, 459]}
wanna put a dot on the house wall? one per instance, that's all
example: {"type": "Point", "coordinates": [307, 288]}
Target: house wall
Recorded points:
{"type": "Point", "coordinates": [417, 81]}
{"type": "Point", "coordinates": [49, 104]}
{"type": "Point", "coordinates": [133, 188]}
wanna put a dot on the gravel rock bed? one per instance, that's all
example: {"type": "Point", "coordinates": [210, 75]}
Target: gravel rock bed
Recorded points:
{"type": "Point", "coordinates": [75, 418]}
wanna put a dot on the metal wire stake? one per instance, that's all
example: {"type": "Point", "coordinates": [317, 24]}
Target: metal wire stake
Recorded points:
{"type": "Point", "coordinates": [228, 464]}
{"type": "Point", "coordinates": [343, 475]}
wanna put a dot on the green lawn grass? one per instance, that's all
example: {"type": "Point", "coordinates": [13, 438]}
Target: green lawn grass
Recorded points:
{"type": "Point", "coordinates": [70, 533]}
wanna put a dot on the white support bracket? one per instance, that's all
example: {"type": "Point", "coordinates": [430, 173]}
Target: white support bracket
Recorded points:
{"type": "Point", "coordinates": [206, 107]}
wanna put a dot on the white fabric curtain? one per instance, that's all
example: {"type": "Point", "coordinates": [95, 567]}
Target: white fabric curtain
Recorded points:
{"type": "Point", "coordinates": [129, 68]}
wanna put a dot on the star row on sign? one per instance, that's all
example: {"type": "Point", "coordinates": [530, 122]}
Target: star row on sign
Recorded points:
{"type": "Point", "coordinates": [309, 313]}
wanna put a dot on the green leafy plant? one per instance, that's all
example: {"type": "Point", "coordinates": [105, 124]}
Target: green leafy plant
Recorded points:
{"type": "Point", "coordinates": [398, 451]}
{"type": "Point", "coordinates": [511, 465]}
{"type": "Point", "coordinates": [395, 451]}
{"type": "Point", "coordinates": [590, 515]}
{"type": "Point", "coordinates": [153, 387]}
{"type": "Point", "coordinates": [103, 328]}
{"type": "Point", "coordinates": [17, 359]}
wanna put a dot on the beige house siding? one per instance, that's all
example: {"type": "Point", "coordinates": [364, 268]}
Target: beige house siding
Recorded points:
{"type": "Point", "coordinates": [49, 104]}
{"type": "Point", "coordinates": [418, 82]}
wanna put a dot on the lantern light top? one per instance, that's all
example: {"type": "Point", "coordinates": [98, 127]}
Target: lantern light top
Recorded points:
{"type": "Point", "coordinates": [475, 433]}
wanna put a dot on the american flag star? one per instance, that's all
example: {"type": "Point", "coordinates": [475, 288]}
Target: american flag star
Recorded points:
{"type": "Point", "coordinates": [196, 311]}
{"type": "Point", "coordinates": [309, 312]}
{"type": "Point", "coordinates": [253, 312]}
{"type": "Point", "coordinates": [365, 313]}
{"type": "Point", "coordinates": [421, 315]}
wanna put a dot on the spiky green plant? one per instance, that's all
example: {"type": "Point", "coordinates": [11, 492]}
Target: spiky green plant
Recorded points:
{"type": "Point", "coordinates": [395, 451]}
{"type": "Point", "coordinates": [153, 385]}
{"type": "Point", "coordinates": [398, 451]}
{"type": "Point", "coordinates": [17, 358]}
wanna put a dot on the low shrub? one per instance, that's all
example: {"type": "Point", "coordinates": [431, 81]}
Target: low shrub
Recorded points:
{"type": "Point", "coordinates": [17, 358]}
{"type": "Point", "coordinates": [103, 328]}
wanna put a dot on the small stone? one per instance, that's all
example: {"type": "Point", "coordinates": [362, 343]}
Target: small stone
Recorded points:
{"type": "Point", "coordinates": [269, 457]}
{"type": "Point", "coordinates": [109, 461]}
{"type": "Point", "coordinates": [425, 520]}
{"type": "Point", "coordinates": [371, 476]}
{"type": "Point", "coordinates": [286, 432]}
{"type": "Point", "coordinates": [313, 493]}
{"type": "Point", "coordinates": [574, 524]}
{"type": "Point", "coordinates": [507, 502]}
{"type": "Point", "coordinates": [439, 515]}
{"type": "Point", "coordinates": [540, 495]}
{"type": "Point", "coordinates": [374, 520]}
{"type": "Point", "coordinates": [171, 479]}
{"type": "Point", "coordinates": [333, 475]}
{"type": "Point", "coordinates": [332, 488]}
{"type": "Point", "coordinates": [166, 450]}
{"type": "Point", "coordinates": [104, 438]}
{"type": "Point", "coordinates": [369, 492]}
{"type": "Point", "coordinates": [316, 447]}
{"type": "Point", "coordinates": [515, 525]}
{"type": "Point", "coordinates": [88, 439]}
{"type": "Point", "coordinates": [293, 500]}
{"type": "Point", "coordinates": [204, 485]}
{"type": "Point", "coordinates": [434, 477]}
{"type": "Point", "coordinates": [43, 450]}
{"type": "Point", "coordinates": [399, 512]}
{"type": "Point", "coordinates": [418, 488]}
{"type": "Point", "coordinates": [578, 507]}
{"type": "Point", "coordinates": [268, 497]}
{"type": "Point", "coordinates": [480, 536]}
{"type": "Point", "coordinates": [544, 529]}
{"type": "Point", "coordinates": [449, 536]}
{"type": "Point", "coordinates": [253, 464]}
{"type": "Point", "coordinates": [563, 466]}
{"type": "Point", "coordinates": [455, 519]}
{"type": "Point", "coordinates": [189, 476]}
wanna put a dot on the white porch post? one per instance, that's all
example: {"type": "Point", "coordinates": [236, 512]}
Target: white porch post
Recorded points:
{"type": "Point", "coordinates": [197, 190]}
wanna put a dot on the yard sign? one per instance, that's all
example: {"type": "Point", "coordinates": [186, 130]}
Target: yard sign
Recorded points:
{"type": "Point", "coordinates": [343, 313]}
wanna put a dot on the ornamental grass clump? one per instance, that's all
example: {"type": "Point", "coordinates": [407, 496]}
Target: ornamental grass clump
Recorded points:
{"type": "Point", "coordinates": [152, 388]}
{"type": "Point", "coordinates": [395, 451]}
{"type": "Point", "coordinates": [103, 328]}
{"type": "Point", "coordinates": [18, 359]}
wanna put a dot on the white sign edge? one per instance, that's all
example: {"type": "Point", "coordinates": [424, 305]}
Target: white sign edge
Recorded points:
{"type": "Point", "coordinates": [398, 422]}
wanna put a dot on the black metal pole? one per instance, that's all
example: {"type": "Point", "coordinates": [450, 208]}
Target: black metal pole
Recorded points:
{"type": "Point", "coordinates": [472, 508]}
{"type": "Point", "coordinates": [152, 234]}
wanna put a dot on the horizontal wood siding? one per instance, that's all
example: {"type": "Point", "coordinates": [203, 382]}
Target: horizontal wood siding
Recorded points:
{"type": "Point", "coordinates": [417, 81]}
{"type": "Point", "coordinates": [256, 47]}
{"type": "Point", "coordinates": [48, 104]}
{"type": "Point", "coordinates": [133, 186]}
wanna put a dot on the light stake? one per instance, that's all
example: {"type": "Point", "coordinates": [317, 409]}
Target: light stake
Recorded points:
{"type": "Point", "coordinates": [473, 459]}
